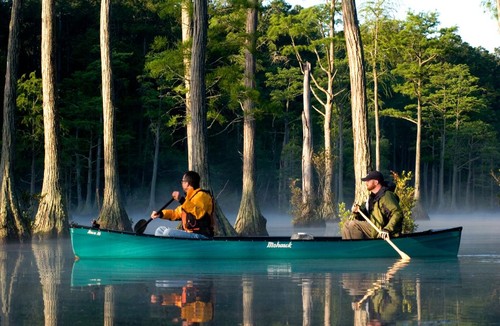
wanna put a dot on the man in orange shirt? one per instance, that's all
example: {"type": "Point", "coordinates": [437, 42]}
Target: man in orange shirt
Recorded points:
{"type": "Point", "coordinates": [195, 211]}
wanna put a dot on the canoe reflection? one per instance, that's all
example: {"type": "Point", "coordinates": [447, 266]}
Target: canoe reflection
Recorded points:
{"type": "Point", "coordinates": [309, 292]}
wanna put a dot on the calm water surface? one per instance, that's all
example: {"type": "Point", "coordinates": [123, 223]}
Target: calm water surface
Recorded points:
{"type": "Point", "coordinates": [41, 284]}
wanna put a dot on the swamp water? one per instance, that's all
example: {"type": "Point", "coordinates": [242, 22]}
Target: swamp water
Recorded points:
{"type": "Point", "coordinates": [41, 284]}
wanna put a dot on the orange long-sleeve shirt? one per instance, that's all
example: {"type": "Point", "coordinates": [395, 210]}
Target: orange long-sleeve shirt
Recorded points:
{"type": "Point", "coordinates": [197, 202]}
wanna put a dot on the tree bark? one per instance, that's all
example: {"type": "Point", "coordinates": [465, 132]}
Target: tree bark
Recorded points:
{"type": "Point", "coordinates": [442, 153]}
{"type": "Point", "coordinates": [328, 200]}
{"type": "Point", "coordinates": [88, 199]}
{"type": "Point", "coordinates": [498, 13]}
{"type": "Point", "coordinates": [376, 104]}
{"type": "Point", "coordinates": [307, 211]}
{"type": "Point", "coordinates": [78, 182]}
{"type": "Point", "coordinates": [307, 144]}
{"type": "Point", "coordinates": [152, 193]}
{"type": "Point", "coordinates": [112, 215]}
{"type": "Point", "coordinates": [12, 224]}
{"type": "Point", "coordinates": [358, 97]}
{"type": "Point", "coordinates": [97, 201]}
{"type": "Point", "coordinates": [340, 160]}
{"type": "Point", "coordinates": [418, 144]}
{"type": "Point", "coordinates": [197, 131]}
{"type": "Point", "coordinates": [418, 211]}
{"type": "Point", "coordinates": [187, 34]}
{"type": "Point", "coordinates": [52, 217]}
{"type": "Point", "coordinates": [285, 165]}
{"type": "Point", "coordinates": [250, 220]}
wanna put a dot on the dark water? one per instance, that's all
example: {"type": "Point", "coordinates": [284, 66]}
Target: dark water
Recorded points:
{"type": "Point", "coordinates": [40, 284]}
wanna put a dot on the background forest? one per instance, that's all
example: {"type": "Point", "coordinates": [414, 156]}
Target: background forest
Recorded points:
{"type": "Point", "coordinates": [458, 91]}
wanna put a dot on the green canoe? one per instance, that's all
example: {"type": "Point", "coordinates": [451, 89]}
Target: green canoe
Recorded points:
{"type": "Point", "coordinates": [88, 242]}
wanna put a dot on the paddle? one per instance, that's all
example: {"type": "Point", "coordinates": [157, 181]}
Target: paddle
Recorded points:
{"type": "Point", "coordinates": [141, 225]}
{"type": "Point", "coordinates": [401, 253]}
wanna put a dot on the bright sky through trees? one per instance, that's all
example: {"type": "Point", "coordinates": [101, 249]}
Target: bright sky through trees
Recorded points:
{"type": "Point", "coordinates": [475, 26]}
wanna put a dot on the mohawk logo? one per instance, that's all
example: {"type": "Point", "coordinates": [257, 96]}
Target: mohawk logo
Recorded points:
{"type": "Point", "coordinates": [272, 244]}
{"type": "Point", "coordinates": [98, 233]}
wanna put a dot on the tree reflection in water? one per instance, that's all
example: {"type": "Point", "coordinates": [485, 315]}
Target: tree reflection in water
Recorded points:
{"type": "Point", "coordinates": [49, 260]}
{"type": "Point", "coordinates": [109, 305]}
{"type": "Point", "coordinates": [309, 292]}
{"type": "Point", "coordinates": [10, 262]}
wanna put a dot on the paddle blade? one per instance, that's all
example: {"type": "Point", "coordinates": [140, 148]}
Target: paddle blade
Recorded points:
{"type": "Point", "coordinates": [140, 226]}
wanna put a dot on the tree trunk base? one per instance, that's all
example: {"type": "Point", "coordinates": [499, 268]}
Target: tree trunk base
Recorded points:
{"type": "Point", "coordinates": [51, 219]}
{"type": "Point", "coordinates": [222, 226]}
{"type": "Point", "coordinates": [114, 217]}
{"type": "Point", "coordinates": [308, 218]}
{"type": "Point", "coordinates": [309, 223]}
{"type": "Point", "coordinates": [419, 213]}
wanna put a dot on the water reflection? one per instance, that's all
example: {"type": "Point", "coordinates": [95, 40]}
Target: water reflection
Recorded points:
{"type": "Point", "coordinates": [307, 301]}
{"type": "Point", "coordinates": [375, 302]}
{"type": "Point", "coordinates": [41, 284]}
{"type": "Point", "coordinates": [10, 263]}
{"type": "Point", "coordinates": [261, 292]}
{"type": "Point", "coordinates": [109, 305]}
{"type": "Point", "coordinates": [192, 301]}
{"type": "Point", "coordinates": [49, 261]}
{"type": "Point", "coordinates": [247, 284]}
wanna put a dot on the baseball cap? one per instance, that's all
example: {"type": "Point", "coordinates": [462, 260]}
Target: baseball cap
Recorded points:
{"type": "Point", "coordinates": [373, 175]}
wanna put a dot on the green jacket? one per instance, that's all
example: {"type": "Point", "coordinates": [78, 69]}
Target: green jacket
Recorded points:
{"type": "Point", "coordinates": [384, 211]}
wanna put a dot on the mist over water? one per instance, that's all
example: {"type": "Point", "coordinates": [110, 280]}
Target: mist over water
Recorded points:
{"type": "Point", "coordinates": [481, 233]}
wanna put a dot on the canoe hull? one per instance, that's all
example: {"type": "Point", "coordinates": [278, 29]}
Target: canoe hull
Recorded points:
{"type": "Point", "coordinates": [107, 244]}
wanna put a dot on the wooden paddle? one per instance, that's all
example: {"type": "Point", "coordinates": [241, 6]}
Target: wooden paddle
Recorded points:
{"type": "Point", "coordinates": [401, 253]}
{"type": "Point", "coordinates": [141, 225]}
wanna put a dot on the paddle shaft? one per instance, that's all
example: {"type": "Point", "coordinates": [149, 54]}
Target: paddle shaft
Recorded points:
{"type": "Point", "coordinates": [143, 227]}
{"type": "Point", "coordinates": [165, 206]}
{"type": "Point", "coordinates": [401, 253]}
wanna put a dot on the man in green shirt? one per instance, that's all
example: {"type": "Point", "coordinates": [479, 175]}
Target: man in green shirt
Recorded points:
{"type": "Point", "coordinates": [382, 208]}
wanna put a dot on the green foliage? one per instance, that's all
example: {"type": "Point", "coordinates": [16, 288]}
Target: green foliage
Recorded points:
{"type": "Point", "coordinates": [417, 48]}
{"type": "Point", "coordinates": [29, 103]}
{"type": "Point", "coordinates": [343, 214]}
{"type": "Point", "coordinates": [286, 84]}
{"type": "Point", "coordinates": [406, 199]}
{"type": "Point", "coordinates": [297, 207]}
{"type": "Point", "coordinates": [457, 78]}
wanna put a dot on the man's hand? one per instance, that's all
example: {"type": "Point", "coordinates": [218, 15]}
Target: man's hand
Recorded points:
{"type": "Point", "coordinates": [176, 195]}
{"type": "Point", "coordinates": [355, 208]}
{"type": "Point", "coordinates": [156, 214]}
{"type": "Point", "coordinates": [384, 235]}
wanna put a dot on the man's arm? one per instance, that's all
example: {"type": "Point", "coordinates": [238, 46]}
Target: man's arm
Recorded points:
{"type": "Point", "coordinates": [394, 213]}
{"type": "Point", "coordinates": [198, 205]}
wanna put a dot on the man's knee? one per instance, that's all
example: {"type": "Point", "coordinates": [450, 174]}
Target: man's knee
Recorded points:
{"type": "Point", "coordinates": [346, 230]}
